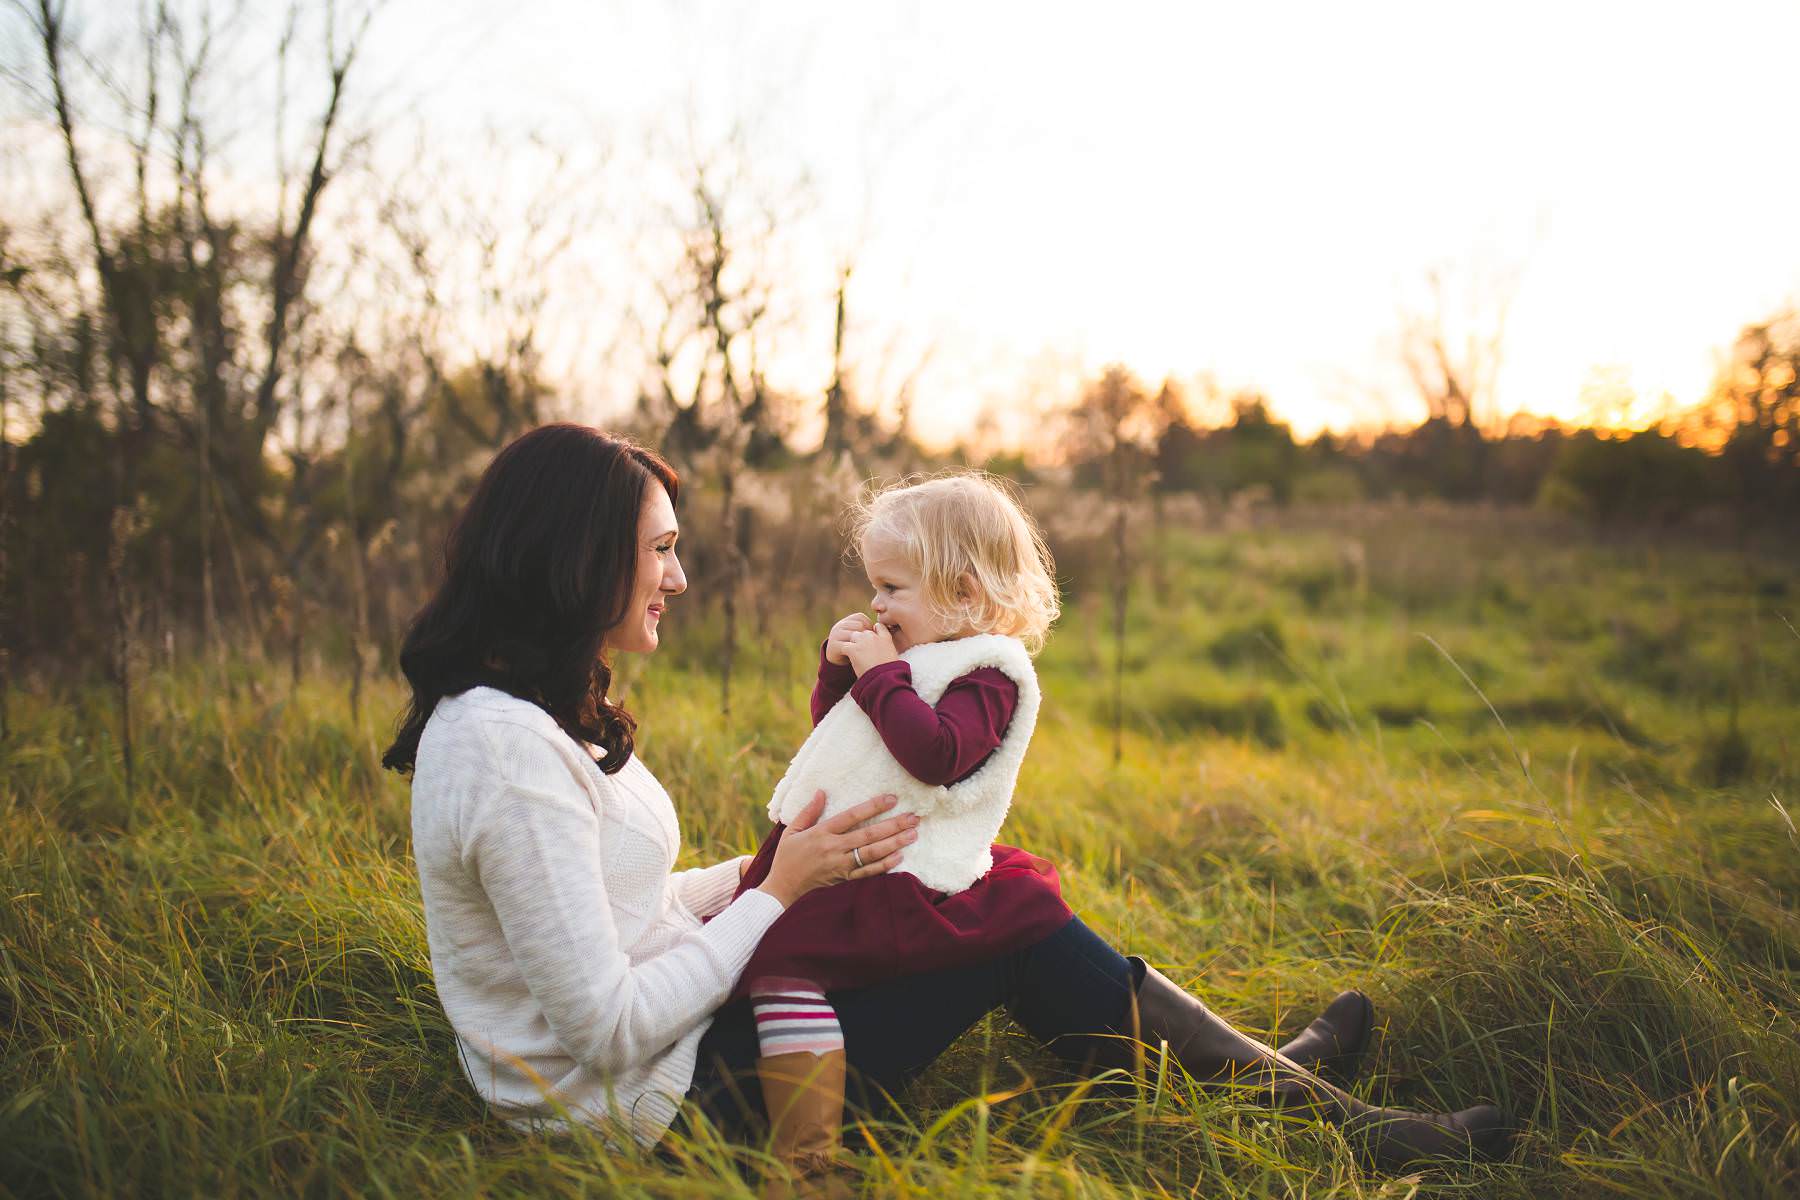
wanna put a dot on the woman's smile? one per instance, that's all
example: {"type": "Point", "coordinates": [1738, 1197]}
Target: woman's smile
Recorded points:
{"type": "Point", "coordinates": [653, 614]}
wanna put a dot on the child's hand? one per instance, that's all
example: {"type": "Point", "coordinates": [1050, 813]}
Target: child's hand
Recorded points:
{"type": "Point", "coordinates": [837, 642]}
{"type": "Point", "coordinates": [870, 648]}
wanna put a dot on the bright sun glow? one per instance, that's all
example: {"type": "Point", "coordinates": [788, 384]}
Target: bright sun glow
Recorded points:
{"type": "Point", "coordinates": [1251, 192]}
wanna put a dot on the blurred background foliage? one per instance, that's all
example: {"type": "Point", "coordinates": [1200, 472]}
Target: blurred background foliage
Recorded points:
{"type": "Point", "coordinates": [244, 414]}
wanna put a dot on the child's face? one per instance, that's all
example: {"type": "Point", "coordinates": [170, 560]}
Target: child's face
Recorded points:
{"type": "Point", "coordinates": [899, 602]}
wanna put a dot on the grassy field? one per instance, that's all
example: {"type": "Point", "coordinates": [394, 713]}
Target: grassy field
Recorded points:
{"type": "Point", "coordinates": [1526, 786]}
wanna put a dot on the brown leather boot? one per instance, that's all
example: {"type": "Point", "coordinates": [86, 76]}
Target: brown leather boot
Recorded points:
{"type": "Point", "coordinates": [1334, 1043]}
{"type": "Point", "coordinates": [1211, 1051]}
{"type": "Point", "coordinates": [803, 1093]}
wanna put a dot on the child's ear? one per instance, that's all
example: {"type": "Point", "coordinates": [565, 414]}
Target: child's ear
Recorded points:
{"type": "Point", "coordinates": [965, 587]}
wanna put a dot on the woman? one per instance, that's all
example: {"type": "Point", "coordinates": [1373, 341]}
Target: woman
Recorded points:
{"type": "Point", "coordinates": [582, 977]}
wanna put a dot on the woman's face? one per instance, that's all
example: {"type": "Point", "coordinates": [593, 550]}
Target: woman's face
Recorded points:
{"type": "Point", "coordinates": [658, 577]}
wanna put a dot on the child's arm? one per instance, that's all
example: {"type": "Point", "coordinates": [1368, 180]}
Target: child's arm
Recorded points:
{"type": "Point", "coordinates": [833, 683]}
{"type": "Point", "coordinates": [937, 746]}
{"type": "Point", "coordinates": [835, 672]}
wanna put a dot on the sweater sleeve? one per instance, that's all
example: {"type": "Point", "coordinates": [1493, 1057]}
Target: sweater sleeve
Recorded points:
{"type": "Point", "coordinates": [704, 891]}
{"type": "Point", "coordinates": [941, 745]}
{"type": "Point", "coordinates": [536, 854]}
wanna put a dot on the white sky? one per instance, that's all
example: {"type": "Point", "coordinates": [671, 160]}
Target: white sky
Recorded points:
{"type": "Point", "coordinates": [1249, 190]}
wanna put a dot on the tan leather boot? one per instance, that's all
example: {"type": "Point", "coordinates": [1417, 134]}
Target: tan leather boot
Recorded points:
{"type": "Point", "coordinates": [803, 1094]}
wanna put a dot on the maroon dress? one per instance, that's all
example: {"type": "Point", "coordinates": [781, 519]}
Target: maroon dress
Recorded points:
{"type": "Point", "coordinates": [863, 931]}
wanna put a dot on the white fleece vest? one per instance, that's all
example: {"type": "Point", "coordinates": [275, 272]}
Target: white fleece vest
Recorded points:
{"type": "Point", "coordinates": [846, 757]}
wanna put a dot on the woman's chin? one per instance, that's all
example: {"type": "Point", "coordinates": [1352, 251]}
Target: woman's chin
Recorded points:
{"type": "Point", "coordinates": [643, 644]}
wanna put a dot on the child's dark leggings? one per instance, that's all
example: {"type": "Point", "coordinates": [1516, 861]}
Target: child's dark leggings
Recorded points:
{"type": "Point", "coordinates": [1063, 990]}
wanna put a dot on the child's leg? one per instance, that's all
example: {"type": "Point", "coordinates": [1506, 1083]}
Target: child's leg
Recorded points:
{"type": "Point", "coordinates": [801, 1069]}
{"type": "Point", "coordinates": [793, 1016]}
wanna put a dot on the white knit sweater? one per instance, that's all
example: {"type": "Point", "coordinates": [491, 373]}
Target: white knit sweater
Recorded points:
{"type": "Point", "coordinates": [573, 966]}
{"type": "Point", "coordinates": [846, 757]}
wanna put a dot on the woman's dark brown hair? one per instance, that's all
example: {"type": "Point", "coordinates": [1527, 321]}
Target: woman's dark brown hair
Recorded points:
{"type": "Point", "coordinates": [538, 566]}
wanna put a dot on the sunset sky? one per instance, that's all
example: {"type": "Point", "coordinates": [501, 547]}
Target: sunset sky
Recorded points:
{"type": "Point", "coordinates": [1249, 190]}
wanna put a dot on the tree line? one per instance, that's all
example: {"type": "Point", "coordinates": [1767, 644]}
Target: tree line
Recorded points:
{"type": "Point", "coordinates": [240, 419]}
{"type": "Point", "coordinates": [1736, 455]}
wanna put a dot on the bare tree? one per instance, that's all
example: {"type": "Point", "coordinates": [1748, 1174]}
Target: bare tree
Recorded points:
{"type": "Point", "coordinates": [729, 318]}
{"type": "Point", "coordinates": [476, 278]}
{"type": "Point", "coordinates": [124, 625]}
{"type": "Point", "coordinates": [1752, 415]}
{"type": "Point", "coordinates": [1451, 342]}
{"type": "Point", "coordinates": [1112, 426]}
{"type": "Point", "coordinates": [202, 311]}
{"type": "Point", "coordinates": [292, 232]}
{"type": "Point", "coordinates": [837, 405]}
{"type": "Point", "coordinates": [122, 262]}
{"type": "Point", "coordinates": [708, 393]}
{"type": "Point", "coordinates": [355, 543]}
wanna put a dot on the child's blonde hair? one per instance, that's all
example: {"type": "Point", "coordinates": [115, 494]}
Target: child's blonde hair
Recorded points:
{"type": "Point", "coordinates": [967, 523]}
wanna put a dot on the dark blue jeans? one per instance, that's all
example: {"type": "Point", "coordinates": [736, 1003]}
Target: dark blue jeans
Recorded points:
{"type": "Point", "coordinates": [1064, 991]}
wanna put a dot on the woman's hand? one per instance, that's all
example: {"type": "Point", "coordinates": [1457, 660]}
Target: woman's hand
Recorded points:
{"type": "Point", "coordinates": [814, 855]}
{"type": "Point", "coordinates": [837, 642]}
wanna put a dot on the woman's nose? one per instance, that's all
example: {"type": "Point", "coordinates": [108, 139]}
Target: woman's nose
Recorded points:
{"type": "Point", "coordinates": [674, 580]}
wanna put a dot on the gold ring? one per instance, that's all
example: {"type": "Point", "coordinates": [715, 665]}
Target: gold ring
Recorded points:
{"type": "Point", "coordinates": [856, 853]}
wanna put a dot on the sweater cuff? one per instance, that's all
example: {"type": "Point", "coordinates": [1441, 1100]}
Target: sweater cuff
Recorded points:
{"type": "Point", "coordinates": [706, 890]}
{"type": "Point", "coordinates": [733, 934]}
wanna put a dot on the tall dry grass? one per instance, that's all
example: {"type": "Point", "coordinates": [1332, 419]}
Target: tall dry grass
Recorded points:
{"type": "Point", "coordinates": [1485, 787]}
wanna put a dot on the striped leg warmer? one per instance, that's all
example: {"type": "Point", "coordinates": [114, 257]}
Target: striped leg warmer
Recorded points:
{"type": "Point", "coordinates": [793, 1015]}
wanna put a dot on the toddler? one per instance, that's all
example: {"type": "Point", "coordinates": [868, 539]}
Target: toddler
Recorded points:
{"type": "Point", "coordinates": [933, 699]}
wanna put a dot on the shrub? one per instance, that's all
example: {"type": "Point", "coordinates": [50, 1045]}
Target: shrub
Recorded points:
{"type": "Point", "coordinates": [1260, 640]}
{"type": "Point", "coordinates": [1646, 476]}
{"type": "Point", "coordinates": [1252, 714]}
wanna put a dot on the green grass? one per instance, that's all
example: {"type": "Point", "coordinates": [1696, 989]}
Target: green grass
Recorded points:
{"type": "Point", "coordinates": [1525, 789]}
